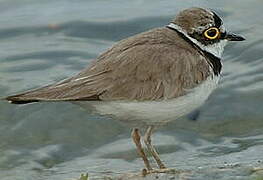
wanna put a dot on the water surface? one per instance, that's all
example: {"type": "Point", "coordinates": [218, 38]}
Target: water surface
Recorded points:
{"type": "Point", "coordinates": [42, 42]}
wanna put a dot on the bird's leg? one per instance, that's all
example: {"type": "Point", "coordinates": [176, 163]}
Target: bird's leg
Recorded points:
{"type": "Point", "coordinates": [148, 143]}
{"type": "Point", "coordinates": [137, 140]}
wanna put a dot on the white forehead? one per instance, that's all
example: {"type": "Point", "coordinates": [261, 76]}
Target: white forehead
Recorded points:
{"type": "Point", "coordinates": [222, 28]}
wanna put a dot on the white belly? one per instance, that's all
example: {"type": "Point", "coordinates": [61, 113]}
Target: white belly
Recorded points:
{"type": "Point", "coordinates": [154, 112]}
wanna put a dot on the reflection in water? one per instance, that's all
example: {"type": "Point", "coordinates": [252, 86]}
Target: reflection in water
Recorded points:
{"type": "Point", "coordinates": [61, 140]}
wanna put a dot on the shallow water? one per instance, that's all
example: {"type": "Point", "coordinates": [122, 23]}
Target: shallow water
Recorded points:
{"type": "Point", "coordinates": [42, 42]}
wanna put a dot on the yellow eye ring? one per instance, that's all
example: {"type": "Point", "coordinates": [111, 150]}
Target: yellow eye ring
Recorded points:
{"type": "Point", "coordinates": [212, 33]}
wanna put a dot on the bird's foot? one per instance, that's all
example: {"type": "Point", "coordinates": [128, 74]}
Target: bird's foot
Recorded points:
{"type": "Point", "coordinates": [163, 170]}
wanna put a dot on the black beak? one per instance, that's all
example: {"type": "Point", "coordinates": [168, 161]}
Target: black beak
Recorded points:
{"type": "Point", "coordinates": [234, 37]}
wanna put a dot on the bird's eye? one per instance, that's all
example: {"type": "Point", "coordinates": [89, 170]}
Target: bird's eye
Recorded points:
{"type": "Point", "coordinates": [212, 33]}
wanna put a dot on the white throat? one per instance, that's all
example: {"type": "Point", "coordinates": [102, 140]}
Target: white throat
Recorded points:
{"type": "Point", "coordinates": [216, 49]}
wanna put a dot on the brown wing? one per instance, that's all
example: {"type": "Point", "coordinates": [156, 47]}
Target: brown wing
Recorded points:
{"type": "Point", "coordinates": [149, 66]}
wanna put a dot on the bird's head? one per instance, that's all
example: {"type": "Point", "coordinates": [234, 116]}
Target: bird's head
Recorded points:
{"type": "Point", "coordinates": [205, 28]}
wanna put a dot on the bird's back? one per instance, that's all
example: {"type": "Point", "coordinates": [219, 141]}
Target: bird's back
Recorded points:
{"type": "Point", "coordinates": [154, 65]}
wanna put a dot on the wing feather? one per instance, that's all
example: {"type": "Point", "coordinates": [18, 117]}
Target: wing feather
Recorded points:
{"type": "Point", "coordinates": [144, 67]}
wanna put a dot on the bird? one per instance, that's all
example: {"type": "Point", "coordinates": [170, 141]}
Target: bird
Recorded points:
{"type": "Point", "coordinates": [149, 79]}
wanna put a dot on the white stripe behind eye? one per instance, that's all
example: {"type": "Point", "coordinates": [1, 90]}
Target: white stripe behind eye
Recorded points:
{"type": "Point", "coordinates": [216, 49]}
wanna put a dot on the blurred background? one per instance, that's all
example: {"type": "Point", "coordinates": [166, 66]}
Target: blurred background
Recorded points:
{"type": "Point", "coordinates": [42, 42]}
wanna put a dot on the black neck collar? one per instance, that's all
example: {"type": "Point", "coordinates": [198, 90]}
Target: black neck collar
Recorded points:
{"type": "Point", "coordinates": [214, 60]}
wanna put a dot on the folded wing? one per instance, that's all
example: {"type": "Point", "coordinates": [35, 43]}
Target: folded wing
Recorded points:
{"type": "Point", "coordinates": [146, 71]}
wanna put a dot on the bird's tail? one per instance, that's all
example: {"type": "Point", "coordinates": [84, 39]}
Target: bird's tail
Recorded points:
{"type": "Point", "coordinates": [57, 92]}
{"type": "Point", "coordinates": [36, 95]}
